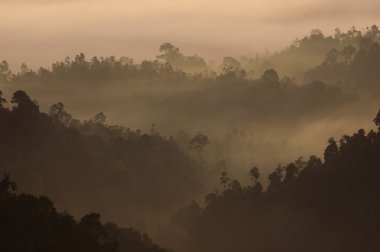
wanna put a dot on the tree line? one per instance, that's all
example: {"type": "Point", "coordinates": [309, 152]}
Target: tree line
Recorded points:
{"type": "Point", "coordinates": [30, 223]}
{"type": "Point", "coordinates": [309, 205]}
{"type": "Point", "coordinates": [90, 165]}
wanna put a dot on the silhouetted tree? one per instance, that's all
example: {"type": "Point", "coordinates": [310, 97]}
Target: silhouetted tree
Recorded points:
{"type": "Point", "coordinates": [58, 113]}
{"type": "Point", "coordinates": [377, 120]}
{"type": "Point", "coordinates": [6, 186]}
{"type": "Point", "coordinates": [254, 174]}
{"type": "Point", "coordinates": [2, 100]}
{"type": "Point", "coordinates": [24, 104]}
{"type": "Point", "coordinates": [172, 55]}
{"type": "Point", "coordinates": [331, 150]}
{"type": "Point", "coordinates": [275, 180]}
{"type": "Point", "coordinates": [291, 172]}
{"type": "Point", "coordinates": [224, 180]}
{"type": "Point", "coordinates": [199, 142]}
{"type": "Point", "coordinates": [270, 78]}
{"type": "Point", "coordinates": [99, 118]}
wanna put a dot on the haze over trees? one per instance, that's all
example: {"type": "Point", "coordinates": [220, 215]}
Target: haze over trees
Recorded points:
{"type": "Point", "coordinates": [309, 205]}
{"type": "Point", "coordinates": [80, 164]}
{"type": "Point", "coordinates": [193, 152]}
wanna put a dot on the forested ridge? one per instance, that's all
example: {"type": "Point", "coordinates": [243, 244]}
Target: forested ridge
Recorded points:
{"type": "Point", "coordinates": [185, 150]}
{"type": "Point", "coordinates": [339, 51]}
{"type": "Point", "coordinates": [309, 205]}
{"type": "Point", "coordinates": [30, 223]}
{"type": "Point", "coordinates": [336, 70]}
{"type": "Point", "coordinates": [90, 164]}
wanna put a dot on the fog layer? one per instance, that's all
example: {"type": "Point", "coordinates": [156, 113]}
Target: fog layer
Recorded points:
{"type": "Point", "coordinates": [40, 32]}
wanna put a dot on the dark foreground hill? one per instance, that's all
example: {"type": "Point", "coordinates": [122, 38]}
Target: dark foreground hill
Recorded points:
{"type": "Point", "coordinates": [124, 174]}
{"type": "Point", "coordinates": [30, 223]}
{"type": "Point", "coordinates": [308, 206]}
{"type": "Point", "coordinates": [313, 205]}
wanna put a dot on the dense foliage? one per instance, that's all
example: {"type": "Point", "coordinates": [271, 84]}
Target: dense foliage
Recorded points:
{"type": "Point", "coordinates": [90, 165]}
{"type": "Point", "coordinates": [268, 103]}
{"type": "Point", "coordinates": [307, 78]}
{"type": "Point", "coordinates": [308, 206]}
{"type": "Point", "coordinates": [30, 223]}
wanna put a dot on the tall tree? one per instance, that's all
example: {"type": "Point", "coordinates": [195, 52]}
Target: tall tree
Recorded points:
{"type": "Point", "coordinates": [199, 142]}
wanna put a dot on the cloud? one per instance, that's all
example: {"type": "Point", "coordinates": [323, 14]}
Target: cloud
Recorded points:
{"type": "Point", "coordinates": [332, 11]}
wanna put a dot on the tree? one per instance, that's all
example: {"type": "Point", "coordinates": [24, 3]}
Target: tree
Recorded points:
{"type": "Point", "coordinates": [348, 53]}
{"type": "Point", "coordinates": [331, 150]}
{"type": "Point", "coordinates": [373, 32]}
{"type": "Point", "coordinates": [24, 69]}
{"type": "Point", "coordinates": [275, 180]}
{"type": "Point", "coordinates": [172, 55]}
{"type": "Point", "coordinates": [270, 77]}
{"type": "Point", "coordinates": [169, 53]}
{"type": "Point", "coordinates": [313, 163]}
{"type": "Point", "coordinates": [5, 72]}
{"type": "Point", "coordinates": [80, 59]}
{"type": "Point", "coordinates": [99, 118]}
{"type": "Point", "coordinates": [291, 172]}
{"type": "Point", "coordinates": [224, 180]}
{"type": "Point", "coordinates": [92, 225]}
{"type": "Point", "coordinates": [24, 104]}
{"type": "Point", "coordinates": [316, 34]}
{"type": "Point", "coordinates": [332, 57]}
{"type": "Point", "coordinates": [230, 64]}
{"type": "Point", "coordinates": [58, 113]}
{"type": "Point", "coordinates": [153, 131]}
{"type": "Point", "coordinates": [338, 34]}
{"type": "Point", "coordinates": [6, 186]}
{"type": "Point", "coordinates": [2, 99]}
{"type": "Point", "coordinates": [199, 142]}
{"type": "Point", "coordinates": [254, 174]}
{"type": "Point", "coordinates": [377, 120]}
{"type": "Point", "coordinates": [365, 44]}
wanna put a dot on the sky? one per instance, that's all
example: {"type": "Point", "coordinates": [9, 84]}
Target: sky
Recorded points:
{"type": "Point", "coordinates": [40, 32]}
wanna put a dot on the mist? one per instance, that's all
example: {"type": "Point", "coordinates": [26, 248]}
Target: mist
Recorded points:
{"type": "Point", "coordinates": [189, 125]}
{"type": "Point", "coordinates": [41, 32]}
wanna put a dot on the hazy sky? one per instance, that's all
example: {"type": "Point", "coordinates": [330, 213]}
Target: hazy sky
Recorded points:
{"type": "Point", "coordinates": [39, 32]}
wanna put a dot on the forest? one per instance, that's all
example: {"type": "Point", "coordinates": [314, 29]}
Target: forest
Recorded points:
{"type": "Point", "coordinates": [273, 152]}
